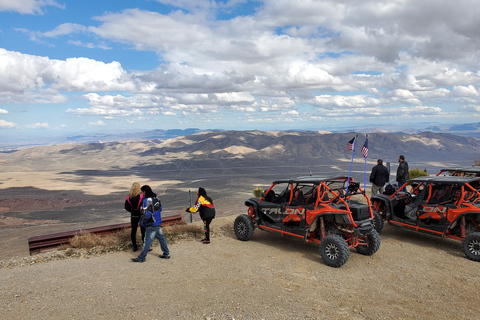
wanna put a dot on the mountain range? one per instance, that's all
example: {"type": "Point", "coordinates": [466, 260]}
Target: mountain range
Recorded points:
{"type": "Point", "coordinates": [257, 151]}
{"type": "Point", "coordinates": [465, 130]}
{"type": "Point", "coordinates": [87, 182]}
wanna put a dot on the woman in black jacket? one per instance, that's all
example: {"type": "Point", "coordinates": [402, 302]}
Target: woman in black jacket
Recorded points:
{"type": "Point", "coordinates": [133, 204]}
{"type": "Point", "coordinates": [204, 206]}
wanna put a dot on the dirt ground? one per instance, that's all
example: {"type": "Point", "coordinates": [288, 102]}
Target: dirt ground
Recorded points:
{"type": "Point", "coordinates": [412, 276]}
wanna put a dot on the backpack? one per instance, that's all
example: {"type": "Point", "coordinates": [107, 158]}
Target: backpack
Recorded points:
{"type": "Point", "coordinates": [140, 201]}
{"type": "Point", "coordinates": [389, 190]}
{"type": "Point", "coordinates": [153, 205]}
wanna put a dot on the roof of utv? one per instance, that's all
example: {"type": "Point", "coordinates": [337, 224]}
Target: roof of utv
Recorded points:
{"type": "Point", "coordinates": [462, 169]}
{"type": "Point", "coordinates": [446, 179]}
{"type": "Point", "coordinates": [311, 179]}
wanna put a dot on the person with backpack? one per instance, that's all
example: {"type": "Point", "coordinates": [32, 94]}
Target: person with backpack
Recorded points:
{"type": "Point", "coordinates": [133, 204]}
{"type": "Point", "coordinates": [151, 219]}
{"type": "Point", "coordinates": [205, 207]}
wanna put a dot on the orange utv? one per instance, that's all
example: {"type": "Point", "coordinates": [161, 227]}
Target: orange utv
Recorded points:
{"type": "Point", "coordinates": [445, 206]}
{"type": "Point", "coordinates": [325, 210]}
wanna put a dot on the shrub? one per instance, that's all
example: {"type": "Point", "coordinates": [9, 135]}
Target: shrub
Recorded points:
{"type": "Point", "coordinates": [257, 192]}
{"type": "Point", "coordinates": [415, 173]}
{"type": "Point", "coordinates": [120, 240]}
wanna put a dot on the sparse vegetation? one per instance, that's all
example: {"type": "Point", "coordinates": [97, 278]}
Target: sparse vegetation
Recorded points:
{"type": "Point", "coordinates": [257, 192]}
{"type": "Point", "coordinates": [415, 173]}
{"type": "Point", "coordinates": [120, 240]}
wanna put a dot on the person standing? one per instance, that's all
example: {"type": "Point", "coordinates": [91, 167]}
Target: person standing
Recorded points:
{"type": "Point", "coordinates": [151, 219]}
{"type": "Point", "coordinates": [378, 177]}
{"type": "Point", "coordinates": [133, 204]}
{"type": "Point", "coordinates": [402, 172]}
{"type": "Point", "coordinates": [205, 207]}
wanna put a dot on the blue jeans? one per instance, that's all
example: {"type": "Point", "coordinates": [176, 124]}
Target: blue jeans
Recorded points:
{"type": "Point", "coordinates": [150, 234]}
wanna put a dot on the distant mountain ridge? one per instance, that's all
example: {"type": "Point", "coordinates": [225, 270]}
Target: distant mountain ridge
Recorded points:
{"type": "Point", "coordinates": [285, 146]}
{"type": "Point", "coordinates": [224, 158]}
{"type": "Point", "coordinates": [300, 146]}
{"type": "Point", "coordinates": [466, 130]}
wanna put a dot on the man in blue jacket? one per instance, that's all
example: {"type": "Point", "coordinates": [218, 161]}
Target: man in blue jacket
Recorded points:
{"type": "Point", "coordinates": [151, 219]}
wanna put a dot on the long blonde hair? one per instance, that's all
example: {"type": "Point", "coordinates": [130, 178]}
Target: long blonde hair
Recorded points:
{"type": "Point", "coordinates": [135, 190]}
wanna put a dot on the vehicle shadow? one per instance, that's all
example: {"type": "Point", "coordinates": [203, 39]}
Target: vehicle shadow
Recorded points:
{"type": "Point", "coordinates": [288, 244]}
{"type": "Point", "coordinates": [449, 246]}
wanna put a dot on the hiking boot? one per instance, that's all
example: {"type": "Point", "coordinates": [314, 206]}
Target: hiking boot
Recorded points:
{"type": "Point", "coordinates": [135, 248]}
{"type": "Point", "coordinates": [136, 260]}
{"type": "Point", "coordinates": [164, 256]}
{"type": "Point", "coordinates": [206, 241]}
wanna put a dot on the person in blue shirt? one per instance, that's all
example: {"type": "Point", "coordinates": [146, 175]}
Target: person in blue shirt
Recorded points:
{"type": "Point", "coordinates": [151, 219]}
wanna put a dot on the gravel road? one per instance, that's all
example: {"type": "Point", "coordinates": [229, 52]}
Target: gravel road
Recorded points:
{"type": "Point", "coordinates": [412, 276]}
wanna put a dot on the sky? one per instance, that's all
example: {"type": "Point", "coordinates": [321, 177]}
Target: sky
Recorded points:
{"type": "Point", "coordinates": [80, 67]}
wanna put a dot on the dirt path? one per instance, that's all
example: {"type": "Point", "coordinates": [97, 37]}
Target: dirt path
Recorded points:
{"type": "Point", "coordinates": [412, 276]}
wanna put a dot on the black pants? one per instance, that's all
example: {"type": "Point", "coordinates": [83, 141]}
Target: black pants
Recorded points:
{"type": "Point", "coordinates": [134, 222]}
{"type": "Point", "coordinates": [206, 228]}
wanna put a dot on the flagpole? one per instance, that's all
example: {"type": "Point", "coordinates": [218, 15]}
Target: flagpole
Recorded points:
{"type": "Point", "coordinates": [351, 163]}
{"type": "Point", "coordinates": [365, 172]}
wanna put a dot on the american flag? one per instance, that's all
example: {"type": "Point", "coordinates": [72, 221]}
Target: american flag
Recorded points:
{"type": "Point", "coordinates": [365, 148]}
{"type": "Point", "coordinates": [351, 144]}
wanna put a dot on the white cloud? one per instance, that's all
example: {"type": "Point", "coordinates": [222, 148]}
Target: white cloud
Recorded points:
{"type": "Point", "coordinates": [3, 111]}
{"type": "Point", "coordinates": [365, 58]}
{"type": "Point", "coordinates": [64, 29]}
{"type": "Point", "coordinates": [339, 101]}
{"type": "Point", "coordinates": [97, 123]}
{"type": "Point", "coordinates": [40, 125]}
{"type": "Point", "coordinates": [469, 91]}
{"type": "Point", "coordinates": [472, 108]}
{"type": "Point", "coordinates": [26, 72]}
{"type": "Point", "coordinates": [27, 6]}
{"type": "Point", "coordinates": [6, 124]}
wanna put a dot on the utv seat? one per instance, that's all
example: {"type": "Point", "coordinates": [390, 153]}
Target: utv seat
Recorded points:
{"type": "Point", "coordinates": [299, 199]}
{"type": "Point", "coordinates": [412, 208]}
{"type": "Point", "coordinates": [440, 194]}
{"type": "Point", "coordinates": [269, 196]}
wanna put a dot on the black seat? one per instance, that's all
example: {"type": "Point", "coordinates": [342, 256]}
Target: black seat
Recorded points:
{"type": "Point", "coordinates": [269, 196]}
{"type": "Point", "coordinates": [299, 199]}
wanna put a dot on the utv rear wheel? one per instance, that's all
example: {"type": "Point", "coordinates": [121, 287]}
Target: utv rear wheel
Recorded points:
{"type": "Point", "coordinates": [377, 221]}
{"type": "Point", "coordinates": [243, 227]}
{"type": "Point", "coordinates": [471, 246]}
{"type": "Point", "coordinates": [334, 250]}
{"type": "Point", "coordinates": [373, 243]}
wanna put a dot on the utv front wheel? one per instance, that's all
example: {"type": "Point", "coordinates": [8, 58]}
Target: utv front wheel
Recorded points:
{"type": "Point", "coordinates": [471, 246]}
{"type": "Point", "coordinates": [373, 243]}
{"type": "Point", "coordinates": [243, 227]}
{"type": "Point", "coordinates": [334, 250]}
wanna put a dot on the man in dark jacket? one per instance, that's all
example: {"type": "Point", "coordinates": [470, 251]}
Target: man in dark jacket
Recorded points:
{"type": "Point", "coordinates": [379, 177]}
{"type": "Point", "coordinates": [402, 171]}
{"type": "Point", "coordinates": [151, 219]}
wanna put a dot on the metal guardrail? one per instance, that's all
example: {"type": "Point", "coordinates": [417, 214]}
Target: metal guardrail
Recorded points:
{"type": "Point", "coordinates": [49, 241]}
